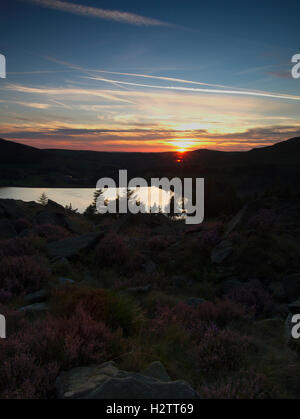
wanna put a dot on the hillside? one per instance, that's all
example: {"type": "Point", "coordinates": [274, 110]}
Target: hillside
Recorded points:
{"type": "Point", "coordinates": [27, 166]}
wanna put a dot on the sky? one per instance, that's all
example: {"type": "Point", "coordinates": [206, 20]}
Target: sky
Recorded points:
{"type": "Point", "coordinates": [149, 75]}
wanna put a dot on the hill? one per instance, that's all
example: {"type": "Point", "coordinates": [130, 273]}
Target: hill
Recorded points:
{"type": "Point", "coordinates": [22, 165]}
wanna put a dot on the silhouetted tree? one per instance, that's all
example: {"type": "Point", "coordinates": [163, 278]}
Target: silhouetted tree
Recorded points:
{"type": "Point", "coordinates": [43, 199]}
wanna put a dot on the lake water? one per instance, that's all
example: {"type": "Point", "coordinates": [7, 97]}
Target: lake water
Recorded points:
{"type": "Point", "coordinates": [81, 198]}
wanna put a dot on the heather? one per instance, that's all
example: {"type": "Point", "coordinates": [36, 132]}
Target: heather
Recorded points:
{"type": "Point", "coordinates": [209, 301]}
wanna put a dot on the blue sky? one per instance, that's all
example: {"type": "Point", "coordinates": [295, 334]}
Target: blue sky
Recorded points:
{"type": "Point", "coordinates": [62, 89]}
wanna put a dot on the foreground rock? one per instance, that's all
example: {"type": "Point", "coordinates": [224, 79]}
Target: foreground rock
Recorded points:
{"type": "Point", "coordinates": [34, 308]}
{"type": "Point", "coordinates": [71, 247]}
{"type": "Point", "coordinates": [221, 252]}
{"type": "Point", "coordinates": [106, 381]}
{"type": "Point", "coordinates": [157, 370]}
{"type": "Point", "coordinates": [236, 221]}
{"type": "Point", "coordinates": [37, 297]}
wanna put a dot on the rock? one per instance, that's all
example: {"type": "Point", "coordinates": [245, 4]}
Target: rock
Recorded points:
{"type": "Point", "coordinates": [221, 252]}
{"type": "Point", "coordinates": [54, 207]}
{"type": "Point", "coordinates": [195, 302]}
{"type": "Point", "coordinates": [7, 230]}
{"type": "Point", "coordinates": [74, 226]}
{"type": "Point", "coordinates": [291, 285]}
{"type": "Point", "coordinates": [13, 208]}
{"type": "Point", "coordinates": [106, 381]}
{"type": "Point", "coordinates": [233, 224]}
{"type": "Point", "coordinates": [71, 247]}
{"type": "Point", "coordinates": [37, 297]}
{"type": "Point", "coordinates": [48, 217]}
{"type": "Point", "coordinates": [157, 370]}
{"type": "Point", "coordinates": [52, 213]}
{"type": "Point", "coordinates": [34, 308]}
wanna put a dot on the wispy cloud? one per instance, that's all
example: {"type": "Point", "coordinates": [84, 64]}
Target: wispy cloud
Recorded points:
{"type": "Point", "coordinates": [113, 15]}
{"type": "Point", "coordinates": [198, 90]}
{"type": "Point", "coordinates": [220, 89]}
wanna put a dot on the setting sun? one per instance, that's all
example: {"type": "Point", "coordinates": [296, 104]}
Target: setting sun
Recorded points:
{"type": "Point", "coordinates": [183, 144]}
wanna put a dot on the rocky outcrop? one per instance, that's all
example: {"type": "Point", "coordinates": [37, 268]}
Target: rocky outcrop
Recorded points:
{"type": "Point", "coordinates": [71, 247]}
{"type": "Point", "coordinates": [37, 297]}
{"type": "Point", "coordinates": [221, 252]}
{"type": "Point", "coordinates": [34, 308]}
{"type": "Point", "coordinates": [236, 221]}
{"type": "Point", "coordinates": [106, 381]}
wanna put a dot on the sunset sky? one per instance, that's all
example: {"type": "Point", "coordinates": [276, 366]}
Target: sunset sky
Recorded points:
{"type": "Point", "coordinates": [149, 75]}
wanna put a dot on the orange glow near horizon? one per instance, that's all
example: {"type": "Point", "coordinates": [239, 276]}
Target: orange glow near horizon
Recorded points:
{"type": "Point", "coordinates": [183, 145]}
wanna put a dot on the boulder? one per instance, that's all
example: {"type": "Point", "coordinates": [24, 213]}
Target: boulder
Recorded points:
{"type": "Point", "coordinates": [157, 370]}
{"type": "Point", "coordinates": [236, 221]}
{"type": "Point", "coordinates": [34, 308]}
{"type": "Point", "coordinates": [221, 252]}
{"type": "Point", "coordinates": [37, 297]}
{"type": "Point", "coordinates": [106, 381]}
{"type": "Point", "coordinates": [13, 208]}
{"type": "Point", "coordinates": [69, 248]}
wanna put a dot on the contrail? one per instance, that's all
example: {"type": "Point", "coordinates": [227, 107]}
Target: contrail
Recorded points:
{"type": "Point", "coordinates": [192, 89]}
{"type": "Point", "coordinates": [230, 89]}
{"type": "Point", "coordinates": [114, 15]}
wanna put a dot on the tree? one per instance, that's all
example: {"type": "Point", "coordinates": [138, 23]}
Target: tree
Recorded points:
{"type": "Point", "coordinates": [43, 199]}
{"type": "Point", "coordinates": [91, 210]}
{"type": "Point", "coordinates": [71, 209]}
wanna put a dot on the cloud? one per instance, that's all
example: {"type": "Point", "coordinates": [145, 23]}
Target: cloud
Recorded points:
{"type": "Point", "coordinates": [232, 89]}
{"type": "Point", "coordinates": [113, 15]}
{"type": "Point", "coordinates": [256, 135]}
{"type": "Point", "coordinates": [198, 90]}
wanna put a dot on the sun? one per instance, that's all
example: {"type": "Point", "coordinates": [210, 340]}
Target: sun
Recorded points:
{"type": "Point", "coordinates": [182, 145]}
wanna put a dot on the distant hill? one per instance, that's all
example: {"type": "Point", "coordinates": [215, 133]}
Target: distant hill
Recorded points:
{"type": "Point", "coordinates": [284, 146]}
{"type": "Point", "coordinates": [22, 165]}
{"type": "Point", "coordinates": [14, 152]}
